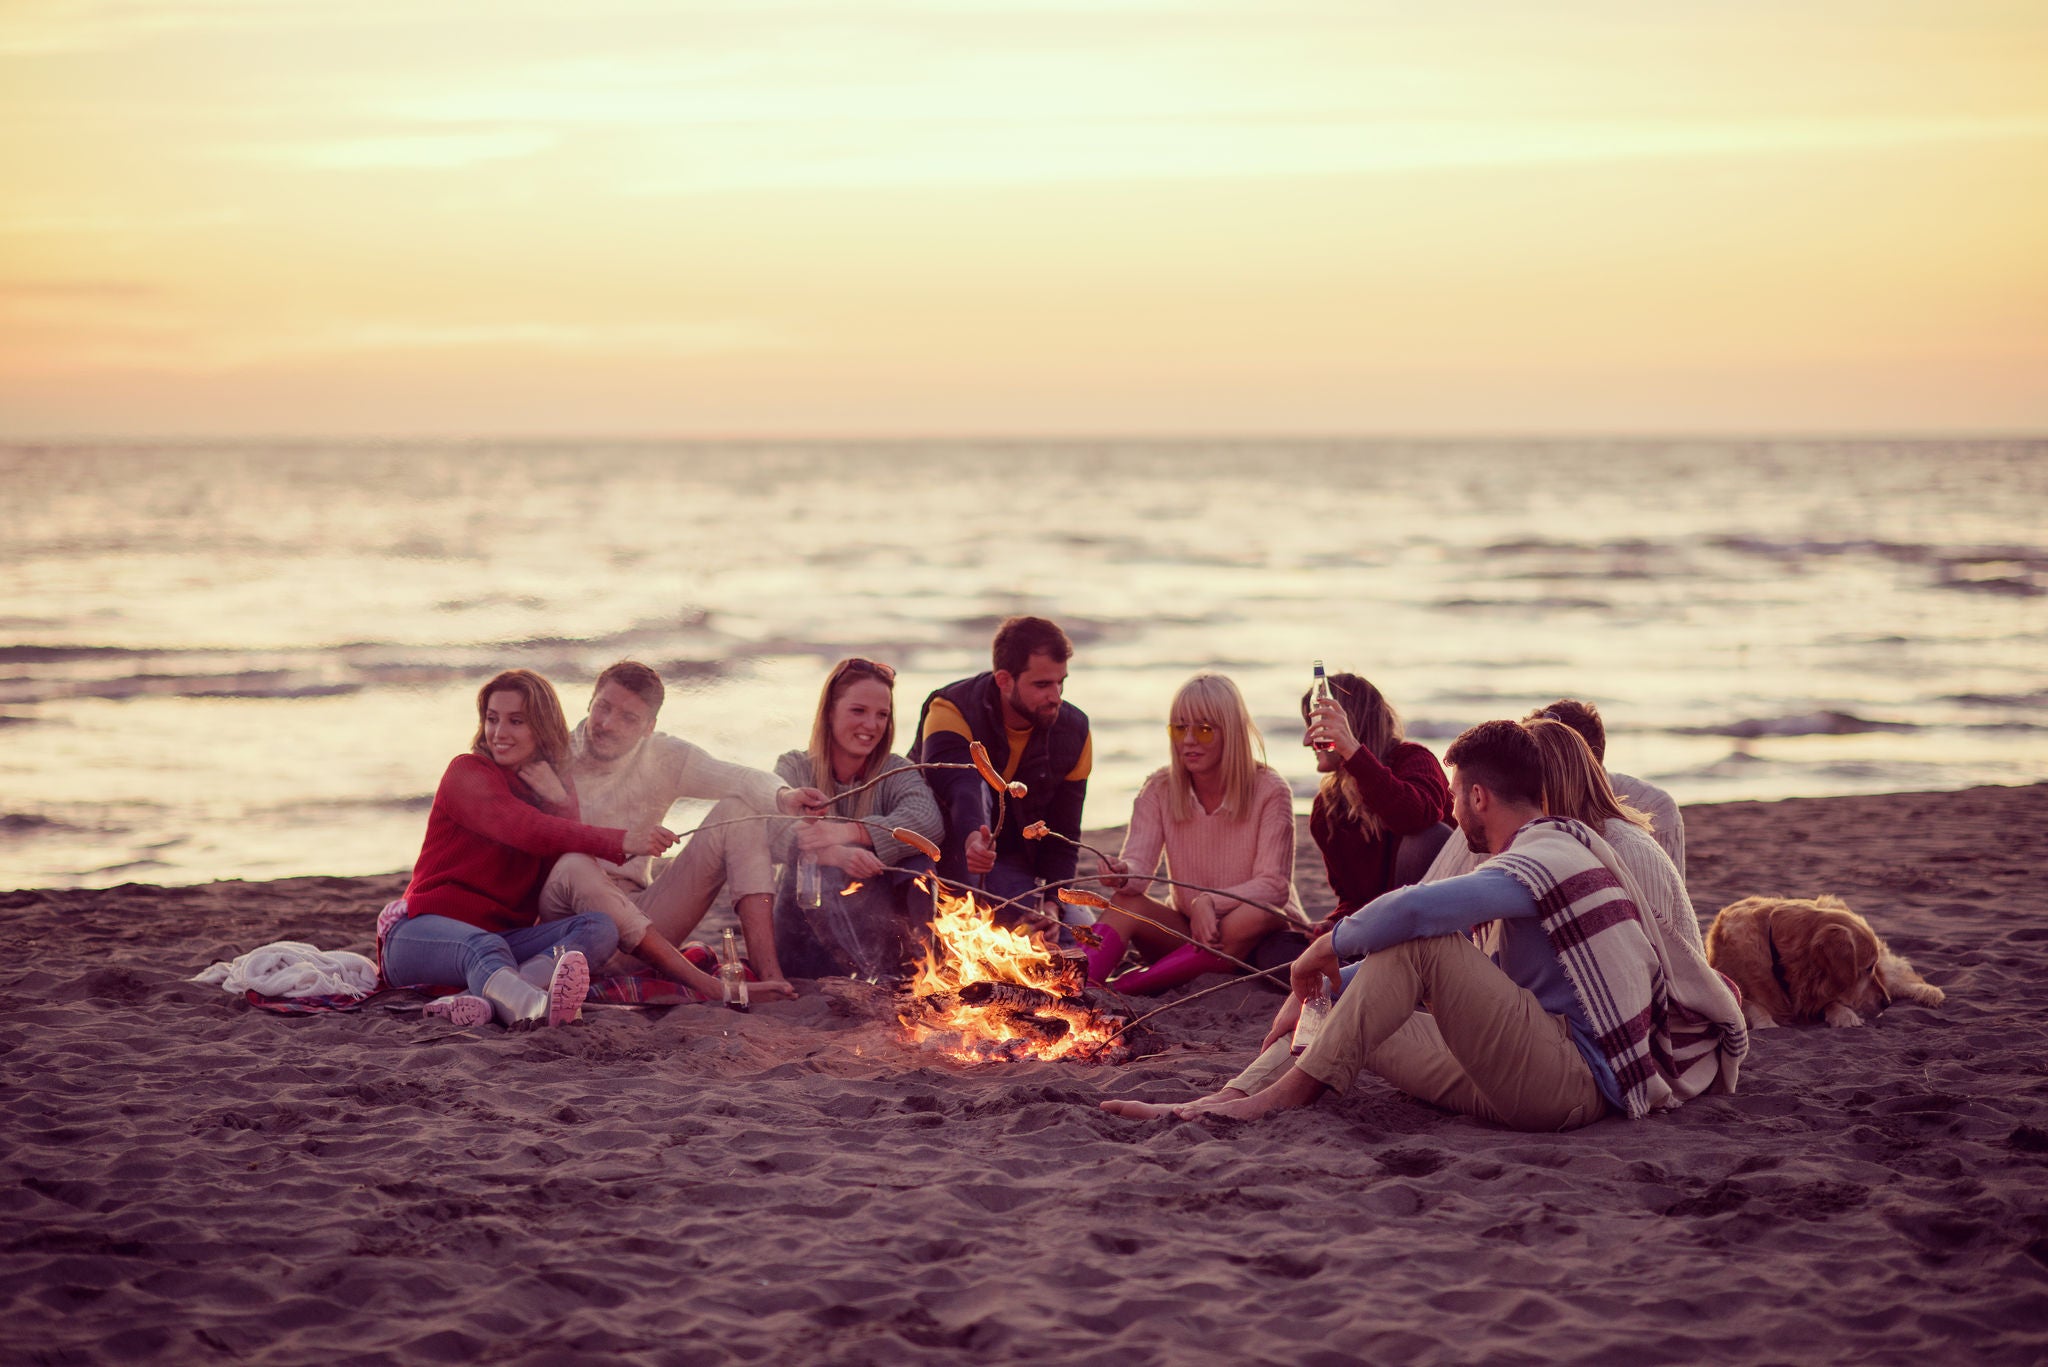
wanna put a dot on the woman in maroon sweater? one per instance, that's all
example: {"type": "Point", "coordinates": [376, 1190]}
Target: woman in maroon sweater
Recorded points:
{"type": "Point", "coordinates": [1378, 789]}
{"type": "Point", "coordinates": [501, 817]}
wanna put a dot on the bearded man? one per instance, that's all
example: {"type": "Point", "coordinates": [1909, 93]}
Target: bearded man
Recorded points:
{"type": "Point", "coordinates": [1018, 712]}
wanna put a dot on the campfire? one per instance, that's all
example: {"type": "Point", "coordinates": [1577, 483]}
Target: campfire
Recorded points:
{"type": "Point", "coordinates": [988, 994]}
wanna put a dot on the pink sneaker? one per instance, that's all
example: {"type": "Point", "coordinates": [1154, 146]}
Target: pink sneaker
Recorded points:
{"type": "Point", "coordinates": [567, 989]}
{"type": "Point", "coordinates": [458, 1010]}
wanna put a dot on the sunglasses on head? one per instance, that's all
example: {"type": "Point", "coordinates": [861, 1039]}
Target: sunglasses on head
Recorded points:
{"type": "Point", "coordinates": [1201, 731]}
{"type": "Point", "coordinates": [856, 665]}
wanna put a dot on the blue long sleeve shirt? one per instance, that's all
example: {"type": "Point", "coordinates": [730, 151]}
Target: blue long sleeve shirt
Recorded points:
{"type": "Point", "coordinates": [1452, 907]}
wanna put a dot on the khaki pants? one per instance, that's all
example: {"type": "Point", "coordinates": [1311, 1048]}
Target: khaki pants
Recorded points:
{"type": "Point", "coordinates": [1485, 1048]}
{"type": "Point", "coordinates": [679, 896]}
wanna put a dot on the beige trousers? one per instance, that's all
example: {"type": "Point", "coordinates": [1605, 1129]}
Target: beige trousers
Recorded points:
{"type": "Point", "coordinates": [1485, 1047]}
{"type": "Point", "coordinates": [680, 894]}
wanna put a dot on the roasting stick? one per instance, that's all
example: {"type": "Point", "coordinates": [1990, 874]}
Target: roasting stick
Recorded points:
{"type": "Point", "coordinates": [1038, 830]}
{"type": "Point", "coordinates": [1192, 996]}
{"type": "Point", "coordinates": [1076, 897]}
{"type": "Point", "coordinates": [981, 765]}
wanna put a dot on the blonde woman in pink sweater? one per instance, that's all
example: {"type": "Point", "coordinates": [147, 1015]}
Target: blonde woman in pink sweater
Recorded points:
{"type": "Point", "coordinates": [1223, 819]}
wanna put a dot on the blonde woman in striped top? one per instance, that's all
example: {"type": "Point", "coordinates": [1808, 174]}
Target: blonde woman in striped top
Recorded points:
{"type": "Point", "coordinates": [1223, 819]}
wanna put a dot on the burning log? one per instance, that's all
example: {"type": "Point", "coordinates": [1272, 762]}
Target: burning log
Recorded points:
{"type": "Point", "coordinates": [1012, 995]}
{"type": "Point", "coordinates": [987, 992]}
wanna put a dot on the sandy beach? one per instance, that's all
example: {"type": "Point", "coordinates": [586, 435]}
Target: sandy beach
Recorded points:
{"type": "Point", "coordinates": [184, 1178]}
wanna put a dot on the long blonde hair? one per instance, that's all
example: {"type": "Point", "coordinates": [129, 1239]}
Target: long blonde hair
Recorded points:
{"type": "Point", "coordinates": [845, 675]}
{"type": "Point", "coordinates": [543, 714]}
{"type": "Point", "coordinates": [1574, 784]}
{"type": "Point", "coordinates": [1214, 699]}
{"type": "Point", "coordinates": [1378, 728]}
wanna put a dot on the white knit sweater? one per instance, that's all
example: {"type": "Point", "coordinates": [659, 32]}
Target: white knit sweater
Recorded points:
{"type": "Point", "coordinates": [1665, 822]}
{"type": "Point", "coordinates": [638, 788]}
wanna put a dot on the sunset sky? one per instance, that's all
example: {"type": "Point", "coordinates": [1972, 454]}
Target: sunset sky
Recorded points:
{"type": "Point", "coordinates": [663, 218]}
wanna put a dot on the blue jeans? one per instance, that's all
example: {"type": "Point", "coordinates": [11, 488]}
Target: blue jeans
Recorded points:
{"type": "Point", "coordinates": [439, 951]}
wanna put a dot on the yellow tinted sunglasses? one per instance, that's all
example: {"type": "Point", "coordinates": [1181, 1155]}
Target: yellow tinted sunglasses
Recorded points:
{"type": "Point", "coordinates": [1201, 730]}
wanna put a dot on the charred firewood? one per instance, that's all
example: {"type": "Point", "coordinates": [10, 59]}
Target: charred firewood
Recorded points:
{"type": "Point", "coordinates": [1013, 995]}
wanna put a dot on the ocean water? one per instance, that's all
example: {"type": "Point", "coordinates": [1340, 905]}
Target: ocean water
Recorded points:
{"type": "Point", "coordinates": [253, 661]}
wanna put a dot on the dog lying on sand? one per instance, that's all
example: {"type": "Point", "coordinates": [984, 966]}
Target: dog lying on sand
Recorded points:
{"type": "Point", "coordinates": [1807, 959]}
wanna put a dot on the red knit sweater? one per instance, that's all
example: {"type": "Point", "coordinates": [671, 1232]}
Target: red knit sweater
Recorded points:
{"type": "Point", "coordinates": [487, 851]}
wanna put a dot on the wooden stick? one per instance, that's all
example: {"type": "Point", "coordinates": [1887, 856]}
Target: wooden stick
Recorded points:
{"type": "Point", "coordinates": [1180, 935]}
{"type": "Point", "coordinates": [1183, 1001]}
{"type": "Point", "coordinates": [1297, 921]}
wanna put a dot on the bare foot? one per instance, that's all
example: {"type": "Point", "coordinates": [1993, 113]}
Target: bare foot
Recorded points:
{"type": "Point", "coordinates": [1160, 1110]}
{"type": "Point", "coordinates": [1295, 1088]}
{"type": "Point", "coordinates": [771, 990]}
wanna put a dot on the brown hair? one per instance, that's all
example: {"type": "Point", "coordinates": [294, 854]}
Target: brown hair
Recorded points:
{"type": "Point", "coordinates": [1378, 728]}
{"type": "Point", "coordinates": [1500, 756]}
{"type": "Point", "coordinates": [543, 713]}
{"type": "Point", "coordinates": [1019, 638]}
{"type": "Point", "coordinates": [1574, 784]}
{"type": "Point", "coordinates": [1581, 717]}
{"type": "Point", "coordinates": [637, 679]}
{"type": "Point", "coordinates": [845, 675]}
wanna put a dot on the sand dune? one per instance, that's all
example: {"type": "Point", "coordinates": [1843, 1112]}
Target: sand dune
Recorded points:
{"type": "Point", "coordinates": [183, 1178]}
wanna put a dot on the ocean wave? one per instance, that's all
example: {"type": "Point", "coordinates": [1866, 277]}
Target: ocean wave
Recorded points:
{"type": "Point", "coordinates": [2038, 698]}
{"type": "Point", "coordinates": [2012, 570]}
{"type": "Point", "coordinates": [255, 683]}
{"type": "Point", "coordinates": [1802, 724]}
{"type": "Point", "coordinates": [28, 824]}
{"type": "Point", "coordinates": [1541, 603]}
{"type": "Point", "coordinates": [337, 671]}
{"type": "Point", "coordinates": [415, 802]}
{"type": "Point", "coordinates": [1630, 558]}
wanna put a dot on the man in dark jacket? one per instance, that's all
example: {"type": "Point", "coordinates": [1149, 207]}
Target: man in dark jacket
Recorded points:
{"type": "Point", "coordinates": [1033, 737]}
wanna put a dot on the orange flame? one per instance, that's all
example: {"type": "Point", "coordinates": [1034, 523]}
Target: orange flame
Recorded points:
{"type": "Point", "coordinates": [850, 889]}
{"type": "Point", "coordinates": [967, 947]}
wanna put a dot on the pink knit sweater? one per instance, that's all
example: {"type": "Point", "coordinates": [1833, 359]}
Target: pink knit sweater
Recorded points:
{"type": "Point", "coordinates": [1247, 854]}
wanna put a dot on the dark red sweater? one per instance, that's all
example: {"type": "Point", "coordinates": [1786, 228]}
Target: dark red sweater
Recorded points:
{"type": "Point", "coordinates": [1408, 794]}
{"type": "Point", "coordinates": [486, 851]}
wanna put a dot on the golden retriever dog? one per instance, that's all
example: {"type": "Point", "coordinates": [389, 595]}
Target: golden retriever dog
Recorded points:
{"type": "Point", "coordinates": [1799, 959]}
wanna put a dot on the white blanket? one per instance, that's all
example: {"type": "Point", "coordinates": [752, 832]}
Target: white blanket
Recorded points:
{"type": "Point", "coordinates": [291, 969]}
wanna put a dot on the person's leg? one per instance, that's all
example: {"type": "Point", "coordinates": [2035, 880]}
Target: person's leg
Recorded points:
{"type": "Point", "coordinates": [1132, 915]}
{"type": "Point", "coordinates": [438, 951]}
{"type": "Point", "coordinates": [588, 933]}
{"type": "Point", "coordinates": [1243, 929]}
{"type": "Point", "coordinates": [1486, 1048]}
{"type": "Point", "coordinates": [1264, 1071]}
{"type": "Point", "coordinates": [578, 884]}
{"type": "Point", "coordinates": [735, 855]}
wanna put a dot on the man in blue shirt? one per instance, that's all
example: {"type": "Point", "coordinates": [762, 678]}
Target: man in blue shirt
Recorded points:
{"type": "Point", "coordinates": [1506, 1041]}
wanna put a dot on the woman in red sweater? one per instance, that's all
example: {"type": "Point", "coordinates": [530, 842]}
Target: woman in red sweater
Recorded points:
{"type": "Point", "coordinates": [1378, 790]}
{"type": "Point", "coordinates": [501, 817]}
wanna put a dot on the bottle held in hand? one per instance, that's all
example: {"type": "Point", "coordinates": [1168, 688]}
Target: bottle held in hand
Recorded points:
{"type": "Point", "coordinates": [1320, 692]}
{"type": "Point", "coordinates": [810, 882]}
{"type": "Point", "coordinates": [1314, 1012]}
{"type": "Point", "coordinates": [732, 978]}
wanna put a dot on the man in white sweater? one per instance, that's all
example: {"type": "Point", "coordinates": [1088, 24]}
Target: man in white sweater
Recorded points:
{"type": "Point", "coordinates": [628, 774]}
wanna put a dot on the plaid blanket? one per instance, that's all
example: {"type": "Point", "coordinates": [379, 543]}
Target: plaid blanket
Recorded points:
{"type": "Point", "coordinates": [1667, 1023]}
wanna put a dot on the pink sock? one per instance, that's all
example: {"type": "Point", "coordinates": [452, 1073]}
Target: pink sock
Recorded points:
{"type": "Point", "coordinates": [1182, 965]}
{"type": "Point", "coordinates": [1103, 958]}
